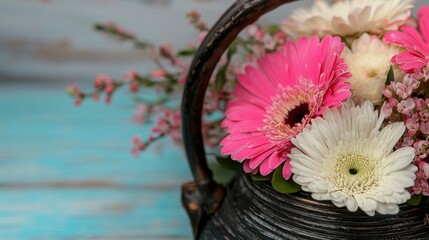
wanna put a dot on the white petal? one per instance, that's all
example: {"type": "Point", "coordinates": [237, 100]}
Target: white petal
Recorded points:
{"type": "Point", "coordinates": [399, 159]}
{"type": "Point", "coordinates": [384, 175]}
{"type": "Point", "coordinates": [351, 204]}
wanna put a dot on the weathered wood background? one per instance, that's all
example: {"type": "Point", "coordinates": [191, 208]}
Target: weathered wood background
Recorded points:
{"type": "Point", "coordinates": [67, 173]}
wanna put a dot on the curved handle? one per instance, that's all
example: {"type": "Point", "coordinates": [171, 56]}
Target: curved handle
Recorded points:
{"type": "Point", "coordinates": [204, 191]}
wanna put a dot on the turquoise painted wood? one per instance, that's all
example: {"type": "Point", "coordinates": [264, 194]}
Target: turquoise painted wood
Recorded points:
{"type": "Point", "coordinates": [67, 173]}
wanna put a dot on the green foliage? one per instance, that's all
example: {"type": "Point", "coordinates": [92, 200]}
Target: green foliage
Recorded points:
{"type": "Point", "coordinates": [282, 185]}
{"type": "Point", "coordinates": [224, 169]}
{"type": "Point", "coordinates": [187, 52]}
{"type": "Point", "coordinates": [228, 163]}
{"type": "Point", "coordinates": [390, 76]}
{"type": "Point", "coordinates": [272, 28]}
{"type": "Point", "coordinates": [415, 200]}
{"type": "Point", "coordinates": [221, 74]}
{"type": "Point", "coordinates": [221, 77]}
{"type": "Point", "coordinates": [258, 177]}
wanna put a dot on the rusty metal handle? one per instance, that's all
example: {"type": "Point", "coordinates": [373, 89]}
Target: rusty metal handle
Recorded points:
{"type": "Point", "coordinates": [203, 196]}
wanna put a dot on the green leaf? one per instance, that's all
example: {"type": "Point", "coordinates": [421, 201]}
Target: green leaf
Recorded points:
{"type": "Point", "coordinates": [282, 185]}
{"type": "Point", "coordinates": [221, 77]}
{"type": "Point", "coordinates": [415, 200]}
{"type": "Point", "coordinates": [141, 44]}
{"type": "Point", "coordinates": [272, 28]}
{"type": "Point", "coordinates": [390, 76]}
{"type": "Point", "coordinates": [221, 74]}
{"type": "Point", "coordinates": [99, 27]}
{"type": "Point", "coordinates": [187, 52]}
{"type": "Point", "coordinates": [220, 174]}
{"type": "Point", "coordinates": [261, 178]}
{"type": "Point", "coordinates": [231, 50]}
{"type": "Point", "coordinates": [228, 163]}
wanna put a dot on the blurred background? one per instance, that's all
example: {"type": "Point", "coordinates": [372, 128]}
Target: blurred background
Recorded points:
{"type": "Point", "coordinates": [66, 172]}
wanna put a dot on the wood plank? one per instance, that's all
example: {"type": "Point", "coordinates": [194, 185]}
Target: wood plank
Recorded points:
{"type": "Point", "coordinates": [67, 173]}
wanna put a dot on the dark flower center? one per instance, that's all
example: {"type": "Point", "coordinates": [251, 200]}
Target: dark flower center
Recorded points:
{"type": "Point", "coordinates": [353, 171]}
{"type": "Point", "coordinates": [297, 114]}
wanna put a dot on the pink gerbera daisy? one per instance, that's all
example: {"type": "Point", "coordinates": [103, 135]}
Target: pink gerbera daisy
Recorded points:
{"type": "Point", "coordinates": [417, 44]}
{"type": "Point", "coordinates": [276, 99]}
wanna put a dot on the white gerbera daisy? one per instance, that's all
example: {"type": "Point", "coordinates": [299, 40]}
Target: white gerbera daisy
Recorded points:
{"type": "Point", "coordinates": [347, 159]}
{"type": "Point", "coordinates": [369, 63]}
{"type": "Point", "coordinates": [348, 17]}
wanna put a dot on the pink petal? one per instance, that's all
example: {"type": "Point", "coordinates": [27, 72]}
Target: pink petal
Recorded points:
{"type": "Point", "coordinates": [244, 112]}
{"type": "Point", "coordinates": [257, 83]}
{"type": "Point", "coordinates": [274, 68]}
{"type": "Point", "coordinates": [287, 170]}
{"type": "Point", "coordinates": [265, 169]}
{"type": "Point", "coordinates": [317, 62]}
{"type": "Point", "coordinates": [241, 93]}
{"type": "Point", "coordinates": [275, 160]}
{"type": "Point", "coordinates": [423, 16]}
{"type": "Point", "coordinates": [246, 126]}
{"type": "Point", "coordinates": [244, 152]}
{"type": "Point", "coordinates": [247, 168]}
{"type": "Point", "coordinates": [254, 163]}
{"type": "Point", "coordinates": [417, 54]}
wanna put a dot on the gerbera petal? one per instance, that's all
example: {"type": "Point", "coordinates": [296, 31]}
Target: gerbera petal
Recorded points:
{"type": "Point", "coordinates": [417, 44]}
{"type": "Point", "coordinates": [351, 204]}
{"type": "Point", "coordinates": [287, 170]}
{"type": "Point", "coordinates": [423, 16]}
{"type": "Point", "coordinates": [358, 170]}
{"type": "Point", "coordinates": [255, 162]}
{"type": "Point", "coordinates": [274, 101]}
{"type": "Point", "coordinates": [247, 168]}
{"type": "Point", "coordinates": [243, 152]}
{"type": "Point", "coordinates": [253, 113]}
{"type": "Point", "coordinates": [346, 18]}
{"type": "Point", "coordinates": [399, 159]}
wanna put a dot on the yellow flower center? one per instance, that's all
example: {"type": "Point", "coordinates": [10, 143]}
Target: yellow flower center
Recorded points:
{"type": "Point", "coordinates": [354, 173]}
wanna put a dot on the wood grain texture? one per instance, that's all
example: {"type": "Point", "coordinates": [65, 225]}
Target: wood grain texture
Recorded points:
{"type": "Point", "coordinates": [67, 173]}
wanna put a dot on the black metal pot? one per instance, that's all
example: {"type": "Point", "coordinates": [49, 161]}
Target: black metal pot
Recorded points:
{"type": "Point", "coordinates": [253, 210]}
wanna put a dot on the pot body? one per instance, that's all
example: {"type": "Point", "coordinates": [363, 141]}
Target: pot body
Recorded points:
{"type": "Point", "coordinates": [254, 210]}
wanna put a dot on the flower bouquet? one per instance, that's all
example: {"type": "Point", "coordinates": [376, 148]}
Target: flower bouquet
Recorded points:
{"type": "Point", "coordinates": [326, 112]}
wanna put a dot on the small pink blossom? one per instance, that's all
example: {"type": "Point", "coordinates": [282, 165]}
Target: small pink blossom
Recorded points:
{"type": "Point", "coordinates": [129, 76]}
{"type": "Point", "coordinates": [77, 101]}
{"type": "Point", "coordinates": [73, 90]}
{"type": "Point", "coordinates": [280, 37]}
{"type": "Point", "coordinates": [412, 127]}
{"type": "Point", "coordinates": [102, 80]}
{"type": "Point", "coordinates": [424, 128]}
{"type": "Point", "coordinates": [166, 51]}
{"type": "Point", "coordinates": [134, 87]}
{"type": "Point", "coordinates": [406, 106]}
{"type": "Point", "coordinates": [193, 14]}
{"type": "Point", "coordinates": [137, 146]}
{"type": "Point", "coordinates": [108, 99]}
{"type": "Point", "coordinates": [158, 73]}
{"type": "Point", "coordinates": [109, 88]}
{"type": "Point", "coordinates": [140, 114]}
{"type": "Point", "coordinates": [252, 30]}
{"type": "Point", "coordinates": [407, 142]}
{"type": "Point", "coordinates": [183, 73]}
{"type": "Point", "coordinates": [96, 96]}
